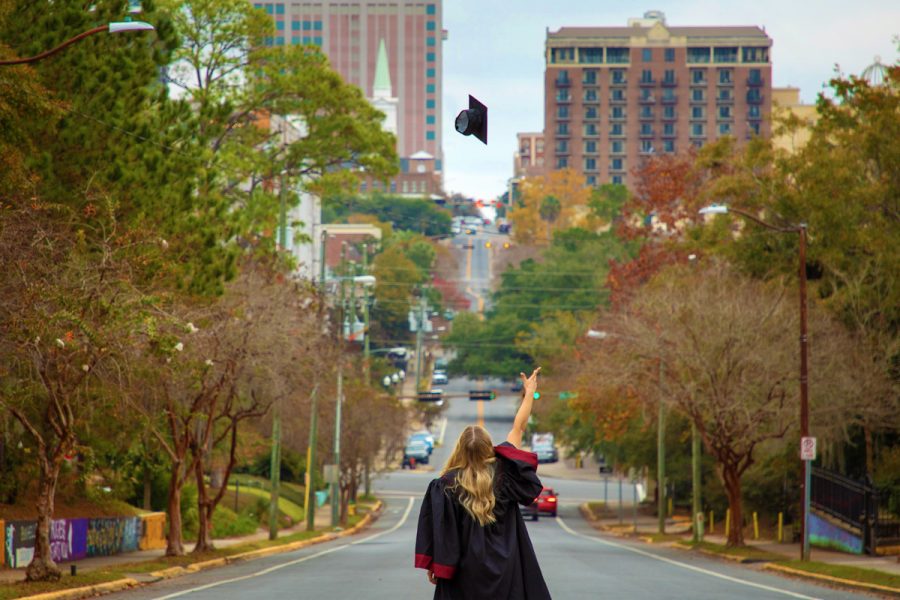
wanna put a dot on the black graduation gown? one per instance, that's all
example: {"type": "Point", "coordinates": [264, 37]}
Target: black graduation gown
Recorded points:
{"type": "Point", "coordinates": [471, 561]}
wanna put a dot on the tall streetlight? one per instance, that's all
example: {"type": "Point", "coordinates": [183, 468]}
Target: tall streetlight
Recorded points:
{"type": "Point", "coordinates": [110, 27]}
{"type": "Point", "coordinates": [800, 230]}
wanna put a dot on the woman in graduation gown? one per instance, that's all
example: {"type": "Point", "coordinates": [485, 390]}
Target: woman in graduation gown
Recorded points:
{"type": "Point", "coordinates": [471, 537]}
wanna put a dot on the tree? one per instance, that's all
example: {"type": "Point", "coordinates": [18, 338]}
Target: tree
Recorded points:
{"type": "Point", "coordinates": [570, 208]}
{"type": "Point", "coordinates": [720, 348]}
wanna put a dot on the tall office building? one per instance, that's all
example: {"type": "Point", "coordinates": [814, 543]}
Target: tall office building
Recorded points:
{"type": "Point", "coordinates": [392, 50]}
{"type": "Point", "coordinates": [615, 94]}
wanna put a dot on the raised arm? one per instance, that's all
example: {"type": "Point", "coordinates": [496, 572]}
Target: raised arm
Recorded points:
{"type": "Point", "coordinates": [529, 387]}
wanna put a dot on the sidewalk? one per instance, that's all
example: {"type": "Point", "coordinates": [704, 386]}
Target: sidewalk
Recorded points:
{"type": "Point", "coordinates": [322, 522]}
{"type": "Point", "coordinates": [565, 469]}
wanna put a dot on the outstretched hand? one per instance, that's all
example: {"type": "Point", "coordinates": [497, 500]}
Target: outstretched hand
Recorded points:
{"type": "Point", "coordinates": [530, 383]}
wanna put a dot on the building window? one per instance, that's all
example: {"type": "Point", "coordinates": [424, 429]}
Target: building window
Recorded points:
{"type": "Point", "coordinates": [724, 128]}
{"type": "Point", "coordinates": [591, 180]}
{"type": "Point", "coordinates": [590, 56]}
{"type": "Point", "coordinates": [430, 72]}
{"type": "Point", "coordinates": [647, 147]}
{"type": "Point", "coordinates": [753, 111]}
{"type": "Point", "coordinates": [617, 94]}
{"type": "Point", "coordinates": [669, 76]}
{"type": "Point", "coordinates": [590, 164]}
{"type": "Point", "coordinates": [430, 120]}
{"type": "Point", "coordinates": [669, 129]}
{"type": "Point", "coordinates": [430, 41]}
{"type": "Point", "coordinates": [279, 9]}
{"type": "Point", "coordinates": [669, 146]}
{"type": "Point", "coordinates": [429, 135]}
{"type": "Point", "coordinates": [562, 95]}
{"type": "Point", "coordinates": [562, 77]}
{"type": "Point", "coordinates": [307, 25]}
{"type": "Point", "coordinates": [646, 76]}
{"type": "Point", "coordinates": [754, 127]}
{"type": "Point", "coordinates": [668, 112]}
{"type": "Point", "coordinates": [590, 95]}
{"type": "Point", "coordinates": [317, 41]}
{"type": "Point", "coordinates": [617, 55]}
{"type": "Point", "coordinates": [562, 112]}
{"type": "Point", "coordinates": [295, 25]}
{"type": "Point", "coordinates": [668, 95]}
{"type": "Point", "coordinates": [646, 112]}
{"type": "Point", "coordinates": [430, 26]}
{"type": "Point", "coordinates": [279, 40]}
{"type": "Point", "coordinates": [279, 25]}
{"type": "Point", "coordinates": [617, 179]}
{"type": "Point", "coordinates": [698, 55]}
{"type": "Point", "coordinates": [430, 103]}
{"type": "Point", "coordinates": [724, 112]}
{"type": "Point", "coordinates": [562, 55]}
{"type": "Point", "coordinates": [429, 88]}
{"type": "Point", "coordinates": [590, 129]}
{"type": "Point", "coordinates": [646, 129]}
{"type": "Point", "coordinates": [430, 9]}
{"type": "Point", "coordinates": [618, 76]}
{"type": "Point", "coordinates": [697, 130]}
{"type": "Point", "coordinates": [616, 147]}
{"type": "Point", "coordinates": [754, 95]}
{"type": "Point", "coordinates": [697, 112]}
{"type": "Point", "coordinates": [725, 54]}
{"type": "Point", "coordinates": [562, 162]}
{"type": "Point", "coordinates": [562, 129]}
{"type": "Point", "coordinates": [589, 77]}
{"type": "Point", "coordinates": [590, 147]}
{"type": "Point", "coordinates": [755, 54]}
{"type": "Point", "coordinates": [617, 112]}
{"type": "Point", "coordinates": [295, 40]}
{"type": "Point", "coordinates": [429, 56]}
{"type": "Point", "coordinates": [616, 164]}
{"type": "Point", "coordinates": [616, 129]}
{"type": "Point", "coordinates": [725, 95]}
{"type": "Point", "coordinates": [590, 112]}
{"type": "Point", "coordinates": [725, 76]}
{"type": "Point", "coordinates": [670, 55]}
{"type": "Point", "coordinates": [317, 25]}
{"type": "Point", "coordinates": [698, 76]}
{"type": "Point", "coordinates": [698, 95]}
{"type": "Point", "coordinates": [754, 77]}
{"type": "Point", "coordinates": [647, 54]}
{"type": "Point", "coordinates": [562, 147]}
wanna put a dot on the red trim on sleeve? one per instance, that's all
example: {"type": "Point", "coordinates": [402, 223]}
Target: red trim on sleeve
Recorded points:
{"type": "Point", "coordinates": [423, 561]}
{"type": "Point", "coordinates": [443, 571]}
{"type": "Point", "coordinates": [513, 453]}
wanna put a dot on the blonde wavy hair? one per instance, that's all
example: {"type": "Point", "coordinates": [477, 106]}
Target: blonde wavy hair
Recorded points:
{"type": "Point", "coordinates": [473, 461]}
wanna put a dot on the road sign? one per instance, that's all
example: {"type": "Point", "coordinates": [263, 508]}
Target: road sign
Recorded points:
{"type": "Point", "coordinates": [808, 448]}
{"type": "Point", "coordinates": [429, 396]}
{"type": "Point", "coordinates": [481, 395]}
{"type": "Point", "coordinates": [331, 473]}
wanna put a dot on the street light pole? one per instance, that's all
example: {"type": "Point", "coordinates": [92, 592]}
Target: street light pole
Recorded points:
{"type": "Point", "coordinates": [335, 485]}
{"type": "Point", "coordinates": [110, 27]}
{"type": "Point", "coordinates": [311, 462]}
{"type": "Point", "coordinates": [801, 231]}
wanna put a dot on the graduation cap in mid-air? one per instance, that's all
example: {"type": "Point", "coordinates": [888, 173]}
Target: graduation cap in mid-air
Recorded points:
{"type": "Point", "coordinates": [473, 120]}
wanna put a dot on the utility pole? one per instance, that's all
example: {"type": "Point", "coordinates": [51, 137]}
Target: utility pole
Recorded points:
{"type": "Point", "coordinates": [310, 499]}
{"type": "Point", "coordinates": [661, 466]}
{"type": "Point", "coordinates": [419, 334]}
{"type": "Point", "coordinates": [275, 459]}
{"type": "Point", "coordinates": [335, 485]}
{"type": "Point", "coordinates": [366, 367]}
{"type": "Point", "coordinates": [696, 504]}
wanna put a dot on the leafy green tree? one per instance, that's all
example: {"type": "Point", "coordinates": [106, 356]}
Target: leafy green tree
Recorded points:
{"type": "Point", "coordinates": [411, 214]}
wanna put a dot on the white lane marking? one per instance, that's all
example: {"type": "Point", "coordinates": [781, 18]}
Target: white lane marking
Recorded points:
{"type": "Point", "coordinates": [271, 569]}
{"type": "Point", "coordinates": [443, 431]}
{"type": "Point", "coordinates": [571, 531]}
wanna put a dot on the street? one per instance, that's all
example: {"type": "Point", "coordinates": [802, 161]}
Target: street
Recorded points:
{"type": "Point", "coordinates": [577, 561]}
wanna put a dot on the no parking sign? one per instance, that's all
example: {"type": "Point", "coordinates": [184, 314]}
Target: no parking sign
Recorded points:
{"type": "Point", "coordinates": [808, 448]}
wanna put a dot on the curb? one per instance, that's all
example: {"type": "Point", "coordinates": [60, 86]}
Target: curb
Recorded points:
{"type": "Point", "coordinates": [109, 587]}
{"type": "Point", "coordinates": [869, 587]}
{"type": "Point", "coordinates": [173, 572]}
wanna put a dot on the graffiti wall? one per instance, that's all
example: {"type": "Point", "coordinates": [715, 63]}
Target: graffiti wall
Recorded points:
{"type": "Point", "coordinates": [828, 535]}
{"type": "Point", "coordinates": [73, 539]}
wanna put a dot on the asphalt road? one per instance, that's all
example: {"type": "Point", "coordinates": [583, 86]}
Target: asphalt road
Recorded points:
{"type": "Point", "coordinates": [576, 561]}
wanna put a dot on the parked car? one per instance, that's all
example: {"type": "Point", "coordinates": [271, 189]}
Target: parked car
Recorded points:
{"type": "Point", "coordinates": [516, 385]}
{"type": "Point", "coordinates": [439, 378]}
{"type": "Point", "coordinates": [547, 502]}
{"type": "Point", "coordinates": [546, 454]}
{"type": "Point", "coordinates": [487, 221]}
{"type": "Point", "coordinates": [422, 436]}
{"type": "Point", "coordinates": [503, 228]}
{"type": "Point", "coordinates": [416, 449]}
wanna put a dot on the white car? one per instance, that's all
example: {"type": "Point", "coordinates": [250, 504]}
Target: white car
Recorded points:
{"type": "Point", "coordinates": [439, 378]}
{"type": "Point", "coordinates": [440, 393]}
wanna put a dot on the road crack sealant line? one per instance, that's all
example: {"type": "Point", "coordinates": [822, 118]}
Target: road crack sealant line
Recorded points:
{"type": "Point", "coordinates": [298, 561]}
{"type": "Point", "coordinates": [676, 563]}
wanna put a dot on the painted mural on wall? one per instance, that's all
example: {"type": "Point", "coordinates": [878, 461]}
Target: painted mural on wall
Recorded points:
{"type": "Point", "coordinates": [72, 539]}
{"type": "Point", "coordinates": [827, 535]}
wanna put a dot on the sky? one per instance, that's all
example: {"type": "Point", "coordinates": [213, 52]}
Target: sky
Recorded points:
{"type": "Point", "coordinates": [495, 51]}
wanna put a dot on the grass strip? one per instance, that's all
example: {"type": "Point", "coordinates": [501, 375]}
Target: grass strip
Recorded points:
{"type": "Point", "coordinates": [848, 572]}
{"type": "Point", "coordinates": [747, 552]}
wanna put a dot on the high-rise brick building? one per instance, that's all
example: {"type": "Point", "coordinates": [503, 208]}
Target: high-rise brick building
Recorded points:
{"type": "Point", "coordinates": [405, 37]}
{"type": "Point", "coordinates": [615, 94]}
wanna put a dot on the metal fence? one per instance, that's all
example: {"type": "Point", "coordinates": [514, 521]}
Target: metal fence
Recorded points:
{"type": "Point", "coordinates": [858, 505]}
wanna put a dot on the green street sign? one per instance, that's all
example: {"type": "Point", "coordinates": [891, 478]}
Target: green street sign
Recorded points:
{"type": "Point", "coordinates": [567, 395]}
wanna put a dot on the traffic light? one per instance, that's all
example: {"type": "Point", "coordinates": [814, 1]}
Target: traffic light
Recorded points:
{"type": "Point", "coordinates": [482, 395]}
{"type": "Point", "coordinates": [474, 120]}
{"type": "Point", "coordinates": [506, 245]}
{"type": "Point", "coordinates": [487, 244]}
{"type": "Point", "coordinates": [429, 396]}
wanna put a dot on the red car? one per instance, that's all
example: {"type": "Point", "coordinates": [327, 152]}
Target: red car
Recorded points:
{"type": "Point", "coordinates": [547, 501]}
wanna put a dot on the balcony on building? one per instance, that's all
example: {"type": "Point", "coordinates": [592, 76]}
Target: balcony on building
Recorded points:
{"type": "Point", "coordinates": [673, 133]}
{"type": "Point", "coordinates": [670, 99]}
{"type": "Point", "coordinates": [756, 80]}
{"type": "Point", "coordinates": [669, 81]}
{"type": "Point", "coordinates": [562, 80]}
{"type": "Point", "coordinates": [647, 134]}
{"type": "Point", "coordinates": [647, 99]}
{"type": "Point", "coordinates": [754, 97]}
{"type": "Point", "coordinates": [646, 116]}
{"type": "Point", "coordinates": [645, 81]}
{"type": "Point", "coordinates": [563, 98]}
{"type": "Point", "coordinates": [725, 98]}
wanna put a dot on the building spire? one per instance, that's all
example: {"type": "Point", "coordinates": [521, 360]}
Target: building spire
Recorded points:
{"type": "Point", "coordinates": [382, 87]}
